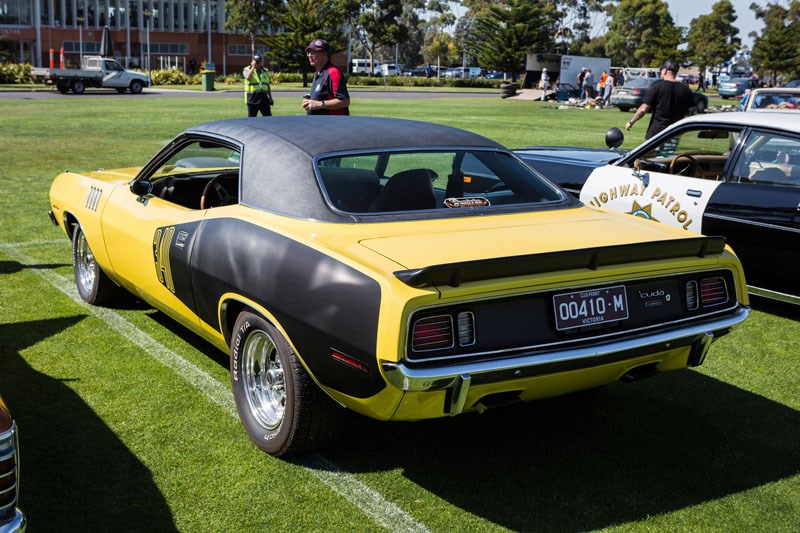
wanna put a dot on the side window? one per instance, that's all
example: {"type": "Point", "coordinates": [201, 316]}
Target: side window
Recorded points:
{"type": "Point", "coordinates": [700, 153]}
{"type": "Point", "coordinates": [769, 159]}
{"type": "Point", "coordinates": [199, 175]}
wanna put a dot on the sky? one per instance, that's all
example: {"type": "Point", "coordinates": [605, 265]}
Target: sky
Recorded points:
{"type": "Point", "coordinates": [683, 11]}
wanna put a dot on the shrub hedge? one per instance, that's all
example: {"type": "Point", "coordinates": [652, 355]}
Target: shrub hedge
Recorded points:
{"type": "Point", "coordinates": [15, 73]}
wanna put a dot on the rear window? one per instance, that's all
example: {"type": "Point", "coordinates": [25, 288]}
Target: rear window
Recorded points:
{"type": "Point", "coordinates": [388, 182]}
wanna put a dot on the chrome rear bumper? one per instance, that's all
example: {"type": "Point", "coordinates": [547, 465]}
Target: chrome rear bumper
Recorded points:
{"type": "Point", "coordinates": [459, 377]}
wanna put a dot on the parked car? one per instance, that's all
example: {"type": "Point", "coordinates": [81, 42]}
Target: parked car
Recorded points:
{"type": "Point", "coordinates": [770, 99]}
{"type": "Point", "coordinates": [12, 520]}
{"type": "Point", "coordinates": [463, 72]}
{"type": "Point", "coordinates": [730, 174]}
{"type": "Point", "coordinates": [631, 95]}
{"type": "Point", "coordinates": [792, 84]}
{"type": "Point", "coordinates": [407, 270]}
{"type": "Point", "coordinates": [388, 69]}
{"type": "Point", "coordinates": [733, 88]}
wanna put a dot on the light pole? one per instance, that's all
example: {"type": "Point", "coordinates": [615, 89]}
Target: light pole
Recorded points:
{"type": "Point", "coordinates": [147, 16]}
{"type": "Point", "coordinates": [80, 40]}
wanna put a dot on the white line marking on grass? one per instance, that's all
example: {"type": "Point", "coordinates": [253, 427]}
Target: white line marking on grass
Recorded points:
{"type": "Point", "coordinates": [369, 501]}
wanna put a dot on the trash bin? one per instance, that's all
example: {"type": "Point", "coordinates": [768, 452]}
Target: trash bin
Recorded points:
{"type": "Point", "coordinates": [207, 77]}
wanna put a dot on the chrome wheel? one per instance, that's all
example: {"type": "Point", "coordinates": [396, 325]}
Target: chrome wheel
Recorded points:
{"type": "Point", "coordinates": [264, 382]}
{"type": "Point", "coordinates": [85, 266]}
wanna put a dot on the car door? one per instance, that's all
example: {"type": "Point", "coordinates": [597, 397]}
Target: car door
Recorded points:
{"type": "Point", "coordinates": [114, 75]}
{"type": "Point", "coordinates": [149, 237]}
{"type": "Point", "coordinates": [758, 211]}
{"type": "Point", "coordinates": [670, 180]}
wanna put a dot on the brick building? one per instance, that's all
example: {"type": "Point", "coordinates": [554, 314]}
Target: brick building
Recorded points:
{"type": "Point", "coordinates": [179, 31]}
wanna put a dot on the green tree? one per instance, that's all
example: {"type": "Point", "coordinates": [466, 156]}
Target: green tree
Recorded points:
{"type": "Point", "coordinates": [411, 49]}
{"type": "Point", "coordinates": [507, 32]}
{"type": "Point", "coordinates": [437, 42]}
{"type": "Point", "coordinates": [642, 34]}
{"type": "Point", "coordinates": [378, 23]}
{"type": "Point", "coordinates": [713, 38]}
{"type": "Point", "coordinates": [251, 17]}
{"type": "Point", "coordinates": [776, 50]}
{"type": "Point", "coordinates": [301, 21]}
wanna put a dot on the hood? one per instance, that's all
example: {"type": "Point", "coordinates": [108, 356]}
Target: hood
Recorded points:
{"type": "Point", "coordinates": [594, 157]}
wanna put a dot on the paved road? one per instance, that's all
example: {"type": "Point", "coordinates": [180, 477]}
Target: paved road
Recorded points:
{"type": "Point", "coordinates": [179, 93]}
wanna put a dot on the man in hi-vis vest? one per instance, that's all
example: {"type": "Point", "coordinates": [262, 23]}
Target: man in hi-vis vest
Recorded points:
{"type": "Point", "coordinates": [257, 93]}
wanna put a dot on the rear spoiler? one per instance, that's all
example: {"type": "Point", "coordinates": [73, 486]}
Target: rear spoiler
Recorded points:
{"type": "Point", "coordinates": [453, 274]}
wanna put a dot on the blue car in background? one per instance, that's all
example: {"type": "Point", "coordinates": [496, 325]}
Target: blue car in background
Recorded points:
{"type": "Point", "coordinates": [733, 88]}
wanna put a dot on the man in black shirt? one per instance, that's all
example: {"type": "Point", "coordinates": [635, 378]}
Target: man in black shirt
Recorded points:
{"type": "Point", "coordinates": [669, 99]}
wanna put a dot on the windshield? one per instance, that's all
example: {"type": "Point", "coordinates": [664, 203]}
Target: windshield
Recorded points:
{"type": "Point", "coordinates": [385, 182]}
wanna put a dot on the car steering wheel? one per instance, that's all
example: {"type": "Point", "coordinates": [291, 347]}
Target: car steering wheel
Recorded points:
{"type": "Point", "coordinates": [221, 193]}
{"type": "Point", "coordinates": [693, 166]}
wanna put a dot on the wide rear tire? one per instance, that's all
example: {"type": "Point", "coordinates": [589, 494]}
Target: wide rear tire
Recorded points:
{"type": "Point", "coordinates": [78, 87]}
{"type": "Point", "coordinates": [94, 287]}
{"type": "Point", "coordinates": [283, 411]}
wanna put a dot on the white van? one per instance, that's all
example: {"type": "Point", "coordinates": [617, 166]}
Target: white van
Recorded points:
{"type": "Point", "coordinates": [389, 69]}
{"type": "Point", "coordinates": [359, 66]}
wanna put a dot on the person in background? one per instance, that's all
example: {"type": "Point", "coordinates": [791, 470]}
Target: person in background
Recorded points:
{"type": "Point", "coordinates": [588, 86]}
{"type": "Point", "coordinates": [669, 99]}
{"type": "Point", "coordinates": [545, 83]}
{"type": "Point", "coordinates": [328, 94]}
{"type": "Point", "coordinates": [257, 92]}
{"type": "Point", "coordinates": [601, 85]}
{"type": "Point", "coordinates": [607, 89]}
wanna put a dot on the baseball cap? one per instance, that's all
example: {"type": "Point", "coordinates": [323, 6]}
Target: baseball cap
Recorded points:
{"type": "Point", "coordinates": [319, 44]}
{"type": "Point", "coordinates": [257, 57]}
{"type": "Point", "coordinates": [544, 69]}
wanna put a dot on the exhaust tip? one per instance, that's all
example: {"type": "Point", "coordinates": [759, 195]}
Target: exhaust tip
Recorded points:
{"type": "Point", "coordinates": [640, 372]}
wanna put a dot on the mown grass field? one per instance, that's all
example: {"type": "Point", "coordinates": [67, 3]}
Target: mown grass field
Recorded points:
{"type": "Point", "coordinates": [127, 422]}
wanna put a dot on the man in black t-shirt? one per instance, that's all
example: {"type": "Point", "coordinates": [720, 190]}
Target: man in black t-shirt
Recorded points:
{"type": "Point", "coordinates": [669, 100]}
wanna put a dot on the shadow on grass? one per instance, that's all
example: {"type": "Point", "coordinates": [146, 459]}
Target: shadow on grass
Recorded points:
{"type": "Point", "coordinates": [76, 475]}
{"type": "Point", "coordinates": [590, 460]}
{"type": "Point", "coordinates": [12, 267]}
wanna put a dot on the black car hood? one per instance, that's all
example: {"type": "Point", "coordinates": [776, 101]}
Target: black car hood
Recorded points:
{"type": "Point", "coordinates": [594, 157]}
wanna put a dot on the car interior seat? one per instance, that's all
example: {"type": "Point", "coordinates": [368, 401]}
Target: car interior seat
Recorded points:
{"type": "Point", "coordinates": [407, 190]}
{"type": "Point", "coordinates": [769, 175]}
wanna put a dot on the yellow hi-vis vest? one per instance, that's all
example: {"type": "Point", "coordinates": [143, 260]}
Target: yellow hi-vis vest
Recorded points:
{"type": "Point", "coordinates": [259, 81]}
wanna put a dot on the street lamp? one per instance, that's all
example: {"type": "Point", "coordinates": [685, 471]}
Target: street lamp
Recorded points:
{"type": "Point", "coordinates": [147, 16]}
{"type": "Point", "coordinates": [80, 39]}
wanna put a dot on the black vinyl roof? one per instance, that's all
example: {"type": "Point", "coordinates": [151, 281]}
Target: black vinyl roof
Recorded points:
{"type": "Point", "coordinates": [317, 135]}
{"type": "Point", "coordinates": [278, 153]}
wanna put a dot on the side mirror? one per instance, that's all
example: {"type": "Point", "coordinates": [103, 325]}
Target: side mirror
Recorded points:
{"type": "Point", "coordinates": [141, 187]}
{"type": "Point", "coordinates": [614, 138]}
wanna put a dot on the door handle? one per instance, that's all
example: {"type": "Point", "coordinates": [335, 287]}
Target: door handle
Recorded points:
{"type": "Point", "coordinates": [694, 193]}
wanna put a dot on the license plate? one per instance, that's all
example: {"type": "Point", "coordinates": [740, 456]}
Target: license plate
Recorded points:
{"type": "Point", "coordinates": [587, 308]}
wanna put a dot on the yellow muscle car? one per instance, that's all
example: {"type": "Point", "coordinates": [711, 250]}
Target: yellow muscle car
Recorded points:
{"type": "Point", "coordinates": [399, 269]}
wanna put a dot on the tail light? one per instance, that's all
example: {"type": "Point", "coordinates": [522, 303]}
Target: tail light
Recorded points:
{"type": "Point", "coordinates": [9, 487]}
{"type": "Point", "coordinates": [637, 91]}
{"type": "Point", "coordinates": [443, 331]}
{"type": "Point", "coordinates": [708, 292]}
{"type": "Point", "coordinates": [432, 333]}
{"type": "Point", "coordinates": [466, 328]}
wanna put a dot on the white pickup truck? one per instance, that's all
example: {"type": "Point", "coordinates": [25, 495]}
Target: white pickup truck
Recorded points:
{"type": "Point", "coordinates": [96, 71]}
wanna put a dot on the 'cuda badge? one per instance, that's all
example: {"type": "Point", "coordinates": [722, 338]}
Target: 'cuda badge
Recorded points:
{"type": "Point", "coordinates": [654, 297]}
